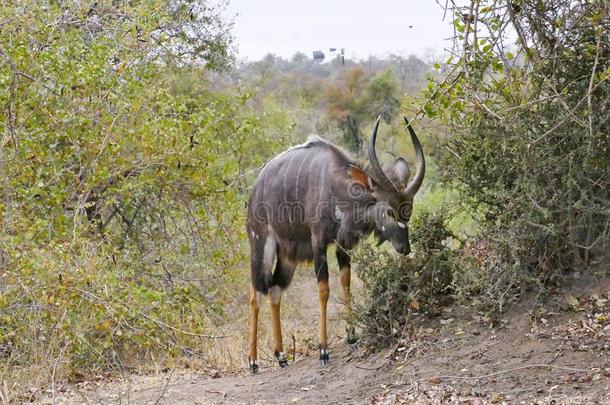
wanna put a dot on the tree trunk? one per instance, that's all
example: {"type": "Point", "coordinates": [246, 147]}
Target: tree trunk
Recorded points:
{"type": "Point", "coordinates": [351, 133]}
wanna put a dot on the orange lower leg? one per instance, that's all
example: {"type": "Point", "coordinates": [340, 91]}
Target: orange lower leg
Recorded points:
{"type": "Point", "coordinates": [346, 277]}
{"type": "Point", "coordinates": [324, 292]}
{"type": "Point", "coordinates": [254, 306]}
{"type": "Point", "coordinates": [276, 297]}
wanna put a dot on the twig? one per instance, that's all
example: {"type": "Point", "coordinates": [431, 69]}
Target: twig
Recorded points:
{"type": "Point", "coordinates": [10, 113]}
{"type": "Point", "coordinates": [566, 118]}
{"type": "Point", "coordinates": [166, 384]}
{"type": "Point", "coordinates": [54, 373]}
{"type": "Point", "coordinates": [158, 322]}
{"type": "Point", "coordinates": [184, 332]}
{"type": "Point", "coordinates": [453, 82]}
{"type": "Point", "coordinates": [465, 43]}
{"type": "Point", "coordinates": [57, 360]}
{"type": "Point", "coordinates": [590, 92]}
{"type": "Point", "coordinates": [371, 368]}
{"type": "Point", "coordinates": [8, 21]}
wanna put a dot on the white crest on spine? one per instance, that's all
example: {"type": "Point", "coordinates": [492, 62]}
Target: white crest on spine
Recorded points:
{"type": "Point", "coordinates": [310, 139]}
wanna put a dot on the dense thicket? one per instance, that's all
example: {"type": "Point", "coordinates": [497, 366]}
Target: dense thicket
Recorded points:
{"type": "Point", "coordinates": [529, 128]}
{"type": "Point", "coordinates": [524, 137]}
{"type": "Point", "coordinates": [120, 176]}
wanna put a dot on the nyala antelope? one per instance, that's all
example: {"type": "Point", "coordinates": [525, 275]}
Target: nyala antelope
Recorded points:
{"type": "Point", "coordinates": [309, 197]}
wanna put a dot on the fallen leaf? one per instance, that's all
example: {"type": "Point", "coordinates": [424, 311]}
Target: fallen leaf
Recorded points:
{"type": "Point", "coordinates": [309, 387]}
{"type": "Point", "coordinates": [435, 380]}
{"type": "Point", "coordinates": [571, 300]}
{"type": "Point", "coordinates": [496, 398]}
{"type": "Point", "coordinates": [446, 321]}
{"type": "Point", "coordinates": [414, 304]}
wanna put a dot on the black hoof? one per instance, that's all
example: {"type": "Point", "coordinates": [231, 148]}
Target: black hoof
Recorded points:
{"type": "Point", "coordinates": [324, 358]}
{"type": "Point", "coordinates": [282, 359]}
{"type": "Point", "coordinates": [253, 367]}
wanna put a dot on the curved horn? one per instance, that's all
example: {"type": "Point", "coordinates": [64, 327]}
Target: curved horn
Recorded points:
{"type": "Point", "coordinates": [376, 169]}
{"type": "Point", "coordinates": [415, 184]}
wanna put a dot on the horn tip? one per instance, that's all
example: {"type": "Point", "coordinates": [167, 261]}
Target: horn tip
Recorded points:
{"type": "Point", "coordinates": [376, 126]}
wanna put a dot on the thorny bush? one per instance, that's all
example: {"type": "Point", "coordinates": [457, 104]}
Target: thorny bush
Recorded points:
{"type": "Point", "coordinates": [527, 141]}
{"type": "Point", "coordinates": [396, 285]}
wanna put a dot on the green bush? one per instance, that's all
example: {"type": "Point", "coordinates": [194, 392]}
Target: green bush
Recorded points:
{"type": "Point", "coordinates": [122, 178]}
{"type": "Point", "coordinates": [527, 143]}
{"type": "Point", "coordinates": [396, 286]}
{"type": "Point", "coordinates": [74, 303]}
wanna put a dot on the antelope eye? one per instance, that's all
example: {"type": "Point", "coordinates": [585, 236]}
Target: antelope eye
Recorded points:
{"type": "Point", "coordinates": [390, 213]}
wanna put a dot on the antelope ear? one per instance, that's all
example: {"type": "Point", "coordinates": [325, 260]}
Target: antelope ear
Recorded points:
{"type": "Point", "coordinates": [361, 177]}
{"type": "Point", "coordinates": [400, 173]}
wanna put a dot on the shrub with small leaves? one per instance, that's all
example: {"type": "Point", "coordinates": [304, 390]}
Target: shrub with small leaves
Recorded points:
{"type": "Point", "coordinates": [396, 286]}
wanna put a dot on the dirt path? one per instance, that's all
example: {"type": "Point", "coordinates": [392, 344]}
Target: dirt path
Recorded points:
{"type": "Point", "coordinates": [560, 355]}
{"type": "Point", "coordinates": [304, 382]}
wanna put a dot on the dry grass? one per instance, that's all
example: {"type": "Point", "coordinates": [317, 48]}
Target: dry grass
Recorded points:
{"type": "Point", "coordinates": [227, 355]}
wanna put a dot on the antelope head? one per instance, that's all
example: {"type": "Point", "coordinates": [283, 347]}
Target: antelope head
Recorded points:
{"type": "Point", "coordinates": [394, 191]}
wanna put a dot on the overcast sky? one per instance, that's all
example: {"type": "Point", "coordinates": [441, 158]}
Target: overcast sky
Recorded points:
{"type": "Point", "coordinates": [363, 28]}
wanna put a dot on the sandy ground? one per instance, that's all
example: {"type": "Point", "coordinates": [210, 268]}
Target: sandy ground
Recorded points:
{"type": "Point", "coordinates": [558, 355]}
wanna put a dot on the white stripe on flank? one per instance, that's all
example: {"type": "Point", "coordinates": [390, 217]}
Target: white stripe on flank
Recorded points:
{"type": "Point", "coordinates": [296, 188]}
{"type": "Point", "coordinates": [286, 173]}
{"type": "Point", "coordinates": [269, 252]}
